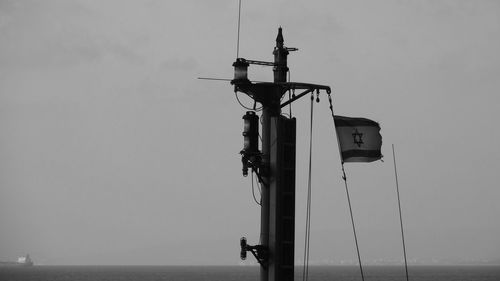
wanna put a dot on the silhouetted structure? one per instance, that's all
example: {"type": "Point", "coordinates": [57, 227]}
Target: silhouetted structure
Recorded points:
{"type": "Point", "coordinates": [275, 165]}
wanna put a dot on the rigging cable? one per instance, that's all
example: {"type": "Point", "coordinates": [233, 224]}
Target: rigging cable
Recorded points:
{"type": "Point", "coordinates": [344, 177]}
{"type": "Point", "coordinates": [246, 107]}
{"type": "Point", "coordinates": [400, 216]}
{"type": "Point", "coordinates": [253, 190]}
{"type": "Point", "coordinates": [305, 273]}
{"type": "Point", "coordinates": [259, 187]}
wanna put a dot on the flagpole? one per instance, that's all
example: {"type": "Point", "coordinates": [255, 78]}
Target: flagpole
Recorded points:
{"type": "Point", "coordinates": [344, 177]}
{"type": "Point", "coordinates": [400, 216]}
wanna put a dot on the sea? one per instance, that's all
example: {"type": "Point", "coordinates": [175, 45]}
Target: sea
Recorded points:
{"type": "Point", "coordinates": [245, 273]}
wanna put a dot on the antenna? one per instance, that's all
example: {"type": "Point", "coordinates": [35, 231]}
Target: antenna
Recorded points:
{"type": "Point", "coordinates": [238, 39]}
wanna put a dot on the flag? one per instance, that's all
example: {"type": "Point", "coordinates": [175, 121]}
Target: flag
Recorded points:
{"type": "Point", "coordinates": [359, 139]}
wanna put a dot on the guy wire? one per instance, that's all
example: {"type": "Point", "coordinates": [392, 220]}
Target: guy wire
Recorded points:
{"type": "Point", "coordinates": [400, 215]}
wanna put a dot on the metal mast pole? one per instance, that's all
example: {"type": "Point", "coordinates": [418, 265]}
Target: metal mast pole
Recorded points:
{"type": "Point", "coordinates": [270, 115]}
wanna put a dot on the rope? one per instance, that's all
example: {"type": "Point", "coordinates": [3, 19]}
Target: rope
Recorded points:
{"type": "Point", "coordinates": [400, 216]}
{"type": "Point", "coordinates": [305, 273]}
{"type": "Point", "coordinates": [344, 177]}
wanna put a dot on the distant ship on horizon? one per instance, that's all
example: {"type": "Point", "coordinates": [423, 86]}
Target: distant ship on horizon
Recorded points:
{"type": "Point", "coordinates": [21, 261]}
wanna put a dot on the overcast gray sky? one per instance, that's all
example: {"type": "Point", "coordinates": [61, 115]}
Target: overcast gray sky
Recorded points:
{"type": "Point", "coordinates": [112, 152]}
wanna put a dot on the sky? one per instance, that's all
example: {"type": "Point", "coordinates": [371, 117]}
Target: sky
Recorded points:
{"type": "Point", "coordinates": [113, 152]}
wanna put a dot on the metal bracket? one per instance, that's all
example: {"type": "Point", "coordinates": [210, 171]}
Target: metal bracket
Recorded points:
{"type": "Point", "coordinates": [251, 160]}
{"type": "Point", "coordinates": [260, 252]}
{"type": "Point", "coordinates": [304, 86]}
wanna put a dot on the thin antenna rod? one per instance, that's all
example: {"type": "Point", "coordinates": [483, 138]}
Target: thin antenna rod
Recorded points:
{"type": "Point", "coordinates": [238, 39]}
{"type": "Point", "coordinates": [226, 79]}
{"type": "Point", "coordinates": [216, 79]}
{"type": "Point", "coordinates": [400, 216]}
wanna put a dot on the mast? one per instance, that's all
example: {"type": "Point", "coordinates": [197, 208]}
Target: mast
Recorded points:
{"type": "Point", "coordinates": [275, 166]}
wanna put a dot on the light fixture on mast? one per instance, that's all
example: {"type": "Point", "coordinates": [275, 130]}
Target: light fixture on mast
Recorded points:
{"type": "Point", "coordinates": [250, 155]}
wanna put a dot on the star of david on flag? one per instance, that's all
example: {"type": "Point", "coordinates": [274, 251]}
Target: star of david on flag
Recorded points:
{"type": "Point", "coordinates": [359, 139]}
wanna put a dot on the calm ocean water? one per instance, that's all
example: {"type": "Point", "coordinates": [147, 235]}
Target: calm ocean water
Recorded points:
{"type": "Point", "coordinates": [240, 273]}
